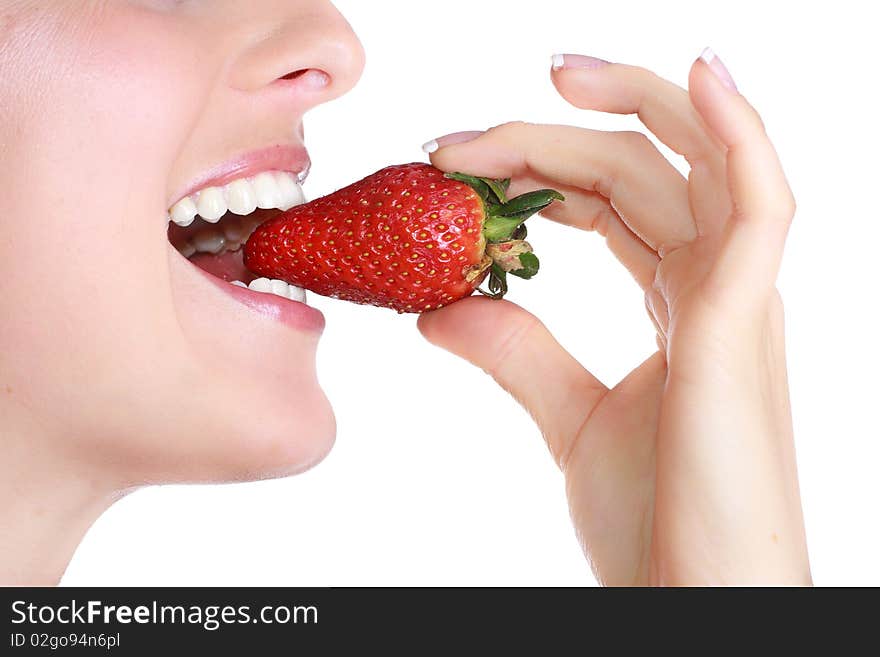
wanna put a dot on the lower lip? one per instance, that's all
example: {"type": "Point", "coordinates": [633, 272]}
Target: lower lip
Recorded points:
{"type": "Point", "coordinates": [293, 313]}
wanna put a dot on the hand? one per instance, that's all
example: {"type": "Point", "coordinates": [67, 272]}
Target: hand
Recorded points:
{"type": "Point", "coordinates": [684, 472]}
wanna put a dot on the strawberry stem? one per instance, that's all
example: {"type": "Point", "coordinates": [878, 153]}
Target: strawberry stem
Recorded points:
{"type": "Point", "coordinates": [504, 228]}
{"type": "Point", "coordinates": [497, 283]}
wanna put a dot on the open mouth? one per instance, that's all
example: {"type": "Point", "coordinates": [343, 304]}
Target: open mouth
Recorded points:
{"type": "Point", "coordinates": [210, 226]}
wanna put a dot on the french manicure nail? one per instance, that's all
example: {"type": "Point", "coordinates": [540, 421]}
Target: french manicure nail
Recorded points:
{"type": "Point", "coordinates": [450, 140]}
{"type": "Point", "coordinates": [561, 62]}
{"type": "Point", "coordinates": [718, 68]}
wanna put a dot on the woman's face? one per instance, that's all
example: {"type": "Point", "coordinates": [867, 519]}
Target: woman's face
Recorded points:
{"type": "Point", "coordinates": [114, 347]}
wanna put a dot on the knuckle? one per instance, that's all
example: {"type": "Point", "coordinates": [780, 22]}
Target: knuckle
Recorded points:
{"type": "Point", "coordinates": [790, 205]}
{"type": "Point", "coordinates": [648, 78]}
{"type": "Point", "coordinates": [636, 140]}
{"type": "Point", "coordinates": [776, 303]}
{"type": "Point", "coordinates": [784, 208]}
{"type": "Point", "coordinates": [759, 125]}
{"type": "Point", "coordinates": [518, 332]}
{"type": "Point", "coordinates": [602, 220]}
{"type": "Point", "coordinates": [642, 77]}
{"type": "Point", "coordinates": [511, 129]}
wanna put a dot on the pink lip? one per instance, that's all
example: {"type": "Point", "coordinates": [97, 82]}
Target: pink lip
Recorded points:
{"type": "Point", "coordinates": [292, 158]}
{"type": "Point", "coordinates": [293, 313]}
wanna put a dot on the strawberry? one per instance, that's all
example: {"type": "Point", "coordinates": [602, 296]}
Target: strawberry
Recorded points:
{"type": "Point", "coordinates": [408, 237]}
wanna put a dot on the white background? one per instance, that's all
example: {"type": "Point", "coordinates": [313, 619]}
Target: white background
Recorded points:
{"type": "Point", "coordinates": [466, 494]}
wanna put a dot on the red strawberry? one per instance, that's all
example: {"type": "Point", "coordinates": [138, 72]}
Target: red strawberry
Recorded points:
{"type": "Point", "coordinates": [409, 238]}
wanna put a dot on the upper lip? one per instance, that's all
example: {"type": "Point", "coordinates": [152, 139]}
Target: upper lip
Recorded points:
{"type": "Point", "coordinates": [293, 158]}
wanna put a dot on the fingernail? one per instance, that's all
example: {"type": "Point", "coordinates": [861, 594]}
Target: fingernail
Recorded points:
{"type": "Point", "coordinates": [560, 62]}
{"type": "Point", "coordinates": [718, 68]}
{"type": "Point", "coordinates": [449, 140]}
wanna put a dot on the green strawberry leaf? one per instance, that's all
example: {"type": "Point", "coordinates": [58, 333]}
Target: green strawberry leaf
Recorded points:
{"type": "Point", "coordinates": [499, 229]}
{"type": "Point", "coordinates": [493, 192]}
{"type": "Point", "coordinates": [528, 204]}
{"type": "Point", "coordinates": [499, 188]}
{"type": "Point", "coordinates": [504, 220]}
{"type": "Point", "coordinates": [530, 264]}
{"type": "Point", "coordinates": [478, 184]}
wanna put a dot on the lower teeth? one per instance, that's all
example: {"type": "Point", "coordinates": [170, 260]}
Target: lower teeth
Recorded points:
{"type": "Point", "coordinates": [230, 235]}
{"type": "Point", "coordinates": [216, 238]}
{"type": "Point", "coordinates": [276, 287]}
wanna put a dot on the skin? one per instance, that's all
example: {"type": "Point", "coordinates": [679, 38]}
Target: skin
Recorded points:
{"type": "Point", "coordinates": [684, 472]}
{"type": "Point", "coordinates": [120, 368]}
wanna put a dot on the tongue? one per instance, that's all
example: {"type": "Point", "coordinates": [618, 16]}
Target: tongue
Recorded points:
{"type": "Point", "coordinates": [229, 265]}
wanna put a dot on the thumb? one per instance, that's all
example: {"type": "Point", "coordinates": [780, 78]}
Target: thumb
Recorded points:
{"type": "Point", "coordinates": [518, 351]}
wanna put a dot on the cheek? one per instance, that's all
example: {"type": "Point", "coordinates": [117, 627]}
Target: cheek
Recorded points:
{"type": "Point", "coordinates": [95, 116]}
{"type": "Point", "coordinates": [137, 85]}
{"type": "Point", "coordinates": [98, 119]}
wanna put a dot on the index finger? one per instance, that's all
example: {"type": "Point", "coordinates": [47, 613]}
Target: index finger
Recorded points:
{"type": "Point", "coordinates": [645, 190]}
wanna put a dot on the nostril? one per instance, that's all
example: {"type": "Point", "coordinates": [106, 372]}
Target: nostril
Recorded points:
{"type": "Point", "coordinates": [307, 78]}
{"type": "Point", "coordinates": [295, 74]}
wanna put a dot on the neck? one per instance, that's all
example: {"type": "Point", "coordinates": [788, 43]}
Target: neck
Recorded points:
{"type": "Point", "coordinates": [47, 504]}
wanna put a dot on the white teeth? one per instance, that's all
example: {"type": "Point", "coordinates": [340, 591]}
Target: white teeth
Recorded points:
{"type": "Point", "coordinates": [241, 197]}
{"type": "Point", "coordinates": [228, 236]}
{"type": "Point", "coordinates": [209, 240]}
{"type": "Point", "coordinates": [278, 288]}
{"type": "Point", "coordinates": [239, 284]}
{"type": "Point", "coordinates": [289, 190]}
{"type": "Point", "coordinates": [266, 189]}
{"type": "Point", "coordinates": [234, 231]}
{"type": "Point", "coordinates": [296, 294]}
{"type": "Point", "coordinates": [212, 204]}
{"type": "Point", "coordinates": [250, 224]}
{"type": "Point", "coordinates": [261, 285]}
{"type": "Point", "coordinates": [184, 212]}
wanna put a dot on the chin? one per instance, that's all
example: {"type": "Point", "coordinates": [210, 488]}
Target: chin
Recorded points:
{"type": "Point", "coordinates": [237, 400]}
{"type": "Point", "coordinates": [240, 436]}
{"type": "Point", "coordinates": [289, 437]}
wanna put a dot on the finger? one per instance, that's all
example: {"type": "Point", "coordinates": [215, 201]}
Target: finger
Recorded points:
{"type": "Point", "coordinates": [665, 109]}
{"type": "Point", "coordinates": [518, 351]}
{"type": "Point", "coordinates": [592, 212]}
{"type": "Point", "coordinates": [645, 190]}
{"type": "Point", "coordinates": [763, 203]}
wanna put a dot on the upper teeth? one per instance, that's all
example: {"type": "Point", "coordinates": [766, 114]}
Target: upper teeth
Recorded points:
{"type": "Point", "coordinates": [267, 190]}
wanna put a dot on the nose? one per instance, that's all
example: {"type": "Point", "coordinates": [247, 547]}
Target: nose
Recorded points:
{"type": "Point", "coordinates": [291, 39]}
